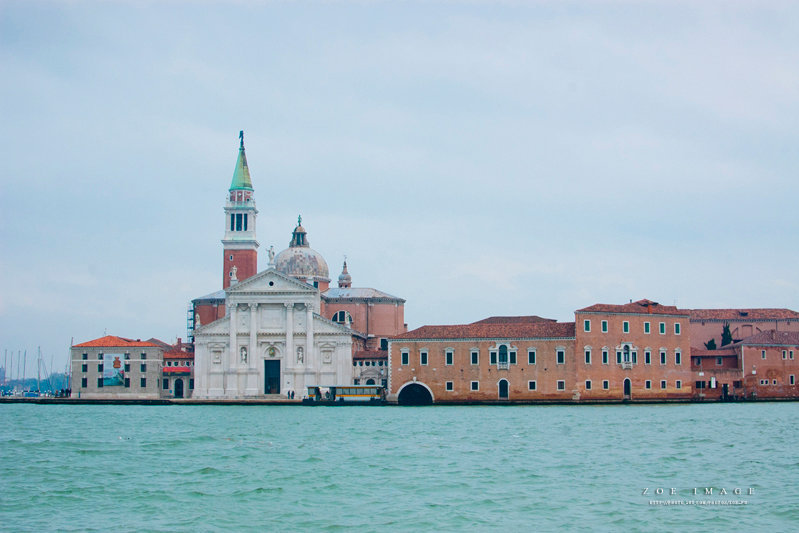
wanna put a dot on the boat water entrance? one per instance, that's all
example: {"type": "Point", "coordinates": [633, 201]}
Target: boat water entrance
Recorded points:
{"type": "Point", "coordinates": [503, 389]}
{"type": "Point", "coordinates": [627, 389]}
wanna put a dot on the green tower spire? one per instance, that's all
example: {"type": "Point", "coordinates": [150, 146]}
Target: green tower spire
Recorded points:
{"type": "Point", "coordinates": [241, 176]}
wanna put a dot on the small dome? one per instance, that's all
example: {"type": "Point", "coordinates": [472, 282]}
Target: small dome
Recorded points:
{"type": "Point", "coordinates": [345, 280]}
{"type": "Point", "coordinates": [300, 260]}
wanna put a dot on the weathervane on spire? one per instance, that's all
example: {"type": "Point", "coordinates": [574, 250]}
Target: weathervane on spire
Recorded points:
{"type": "Point", "coordinates": [241, 138]}
{"type": "Point", "coordinates": [299, 220]}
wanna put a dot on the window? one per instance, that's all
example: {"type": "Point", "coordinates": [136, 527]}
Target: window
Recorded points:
{"type": "Point", "coordinates": [84, 367]}
{"type": "Point", "coordinates": [475, 357]}
{"type": "Point", "coordinates": [662, 326]}
{"type": "Point", "coordinates": [791, 356]}
{"type": "Point", "coordinates": [238, 221]}
{"type": "Point", "coordinates": [512, 356]}
{"type": "Point", "coordinates": [646, 327]}
{"type": "Point", "coordinates": [99, 357]}
{"type": "Point", "coordinates": [143, 355]}
{"type": "Point", "coordinates": [561, 354]}
{"type": "Point", "coordinates": [588, 356]}
{"type": "Point", "coordinates": [531, 385]}
{"type": "Point", "coordinates": [648, 384]}
{"type": "Point", "coordinates": [561, 385]}
{"type": "Point", "coordinates": [405, 357]}
{"type": "Point", "coordinates": [530, 357]}
{"type": "Point", "coordinates": [625, 327]}
{"type": "Point", "coordinates": [191, 383]}
{"type": "Point", "coordinates": [647, 357]}
{"type": "Point", "coordinates": [618, 356]}
{"type": "Point", "coordinates": [677, 357]}
{"type": "Point", "coordinates": [662, 383]}
{"type": "Point", "coordinates": [587, 384]}
{"type": "Point", "coordinates": [100, 383]}
{"type": "Point", "coordinates": [604, 326]}
{"type": "Point", "coordinates": [678, 384]}
{"type": "Point", "coordinates": [84, 356]}
{"type": "Point", "coordinates": [166, 383]}
{"type": "Point", "coordinates": [792, 379]}
{"type": "Point", "coordinates": [127, 356]}
{"type": "Point", "coordinates": [718, 361]}
{"type": "Point", "coordinates": [245, 221]}
{"type": "Point", "coordinates": [232, 221]}
{"type": "Point", "coordinates": [604, 357]}
{"type": "Point", "coordinates": [586, 325]}
{"type": "Point", "coordinates": [144, 367]}
{"type": "Point", "coordinates": [662, 357]}
{"type": "Point", "coordinates": [676, 328]}
{"type": "Point", "coordinates": [449, 385]}
{"type": "Point", "coordinates": [84, 382]}
{"type": "Point", "coordinates": [785, 354]}
{"type": "Point", "coordinates": [384, 344]}
{"type": "Point", "coordinates": [762, 354]}
{"type": "Point", "coordinates": [475, 385]}
{"type": "Point", "coordinates": [127, 367]}
{"type": "Point", "coordinates": [492, 358]}
{"type": "Point", "coordinates": [605, 384]}
{"type": "Point", "coordinates": [127, 382]}
{"type": "Point", "coordinates": [143, 383]}
{"type": "Point", "coordinates": [503, 356]}
{"type": "Point", "coordinates": [100, 367]}
{"type": "Point", "coordinates": [423, 357]}
{"type": "Point", "coordinates": [448, 357]}
{"type": "Point", "coordinates": [774, 382]}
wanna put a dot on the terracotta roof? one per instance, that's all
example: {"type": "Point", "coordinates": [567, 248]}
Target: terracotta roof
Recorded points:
{"type": "Point", "coordinates": [782, 338]}
{"type": "Point", "coordinates": [110, 341]}
{"type": "Point", "coordinates": [356, 293]}
{"type": "Point", "coordinates": [370, 354]}
{"type": "Point", "coordinates": [176, 354]}
{"type": "Point", "coordinates": [518, 330]}
{"type": "Point", "coordinates": [158, 342]}
{"type": "Point", "coordinates": [639, 307]}
{"type": "Point", "coordinates": [743, 314]}
{"type": "Point", "coordinates": [514, 320]}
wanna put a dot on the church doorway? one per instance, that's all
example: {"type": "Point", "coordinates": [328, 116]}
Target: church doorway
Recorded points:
{"type": "Point", "coordinates": [503, 389]}
{"type": "Point", "coordinates": [627, 389]}
{"type": "Point", "coordinates": [272, 376]}
{"type": "Point", "coordinates": [370, 381]}
{"type": "Point", "coordinates": [414, 394]}
{"type": "Point", "coordinates": [178, 388]}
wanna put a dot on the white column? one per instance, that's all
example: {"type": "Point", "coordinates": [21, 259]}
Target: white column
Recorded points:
{"type": "Point", "coordinates": [252, 386]}
{"type": "Point", "coordinates": [309, 349]}
{"type": "Point", "coordinates": [290, 356]}
{"type": "Point", "coordinates": [231, 358]}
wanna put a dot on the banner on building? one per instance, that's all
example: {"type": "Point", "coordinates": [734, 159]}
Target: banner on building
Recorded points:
{"type": "Point", "coordinates": [113, 370]}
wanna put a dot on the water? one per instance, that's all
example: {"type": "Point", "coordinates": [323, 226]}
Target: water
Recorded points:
{"type": "Point", "coordinates": [277, 468]}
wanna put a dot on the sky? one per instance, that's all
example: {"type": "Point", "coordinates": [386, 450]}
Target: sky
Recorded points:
{"type": "Point", "coordinates": [475, 158]}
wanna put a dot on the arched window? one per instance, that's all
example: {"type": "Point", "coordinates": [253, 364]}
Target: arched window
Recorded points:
{"type": "Point", "coordinates": [342, 317]}
{"type": "Point", "coordinates": [503, 355]}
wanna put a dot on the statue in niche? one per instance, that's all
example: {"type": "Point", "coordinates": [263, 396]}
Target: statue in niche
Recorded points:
{"type": "Point", "coordinates": [197, 320]}
{"type": "Point", "coordinates": [243, 354]}
{"type": "Point", "coordinates": [299, 354]}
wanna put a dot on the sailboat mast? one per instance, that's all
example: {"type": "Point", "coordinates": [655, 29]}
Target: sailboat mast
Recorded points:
{"type": "Point", "coordinates": [39, 371]}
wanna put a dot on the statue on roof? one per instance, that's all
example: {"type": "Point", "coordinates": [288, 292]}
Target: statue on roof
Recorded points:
{"type": "Point", "coordinates": [299, 220]}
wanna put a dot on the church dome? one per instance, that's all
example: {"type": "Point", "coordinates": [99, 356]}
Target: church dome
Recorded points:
{"type": "Point", "coordinates": [300, 260]}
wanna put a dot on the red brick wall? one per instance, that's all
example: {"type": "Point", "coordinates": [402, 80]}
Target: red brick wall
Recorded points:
{"type": "Point", "coordinates": [246, 262]}
{"type": "Point", "coordinates": [772, 368]}
{"type": "Point", "coordinates": [615, 338]}
{"type": "Point", "coordinates": [546, 372]}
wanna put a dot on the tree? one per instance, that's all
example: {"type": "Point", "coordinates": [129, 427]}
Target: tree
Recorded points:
{"type": "Point", "coordinates": [726, 336]}
{"type": "Point", "coordinates": [711, 344]}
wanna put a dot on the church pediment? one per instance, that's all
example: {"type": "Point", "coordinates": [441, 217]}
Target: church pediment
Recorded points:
{"type": "Point", "coordinates": [270, 281]}
{"type": "Point", "coordinates": [216, 327]}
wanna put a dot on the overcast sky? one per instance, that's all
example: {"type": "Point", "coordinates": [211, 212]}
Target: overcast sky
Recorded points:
{"type": "Point", "coordinates": [474, 158]}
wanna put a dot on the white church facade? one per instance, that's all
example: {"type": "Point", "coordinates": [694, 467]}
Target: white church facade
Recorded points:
{"type": "Point", "coordinates": [271, 341]}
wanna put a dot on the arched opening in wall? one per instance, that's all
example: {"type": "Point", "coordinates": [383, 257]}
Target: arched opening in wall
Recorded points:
{"type": "Point", "coordinates": [627, 387]}
{"type": "Point", "coordinates": [342, 317]}
{"type": "Point", "coordinates": [503, 389]}
{"type": "Point", "coordinates": [178, 388]}
{"type": "Point", "coordinates": [414, 394]}
{"type": "Point", "coordinates": [370, 382]}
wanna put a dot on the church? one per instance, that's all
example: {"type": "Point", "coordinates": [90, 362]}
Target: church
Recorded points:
{"type": "Point", "coordinates": [276, 332]}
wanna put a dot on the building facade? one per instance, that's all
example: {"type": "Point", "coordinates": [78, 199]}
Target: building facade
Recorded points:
{"type": "Point", "coordinates": [116, 368]}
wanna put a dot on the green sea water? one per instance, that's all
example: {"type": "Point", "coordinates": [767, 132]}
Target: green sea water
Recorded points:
{"type": "Point", "coordinates": [473, 468]}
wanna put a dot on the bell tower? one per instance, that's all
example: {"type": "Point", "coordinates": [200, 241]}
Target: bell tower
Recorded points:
{"type": "Point", "coordinates": [240, 249]}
